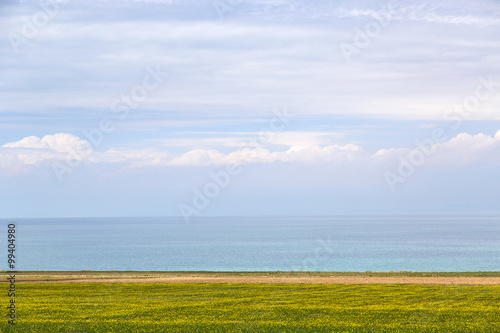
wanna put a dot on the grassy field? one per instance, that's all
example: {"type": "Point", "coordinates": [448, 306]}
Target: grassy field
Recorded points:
{"type": "Point", "coordinates": [124, 307]}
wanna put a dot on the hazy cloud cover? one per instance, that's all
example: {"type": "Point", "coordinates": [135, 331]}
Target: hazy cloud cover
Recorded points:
{"type": "Point", "coordinates": [127, 107]}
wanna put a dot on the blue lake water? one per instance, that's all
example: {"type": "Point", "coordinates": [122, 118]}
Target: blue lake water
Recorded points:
{"type": "Point", "coordinates": [362, 243]}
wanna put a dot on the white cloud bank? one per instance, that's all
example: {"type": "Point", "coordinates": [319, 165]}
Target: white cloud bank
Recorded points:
{"type": "Point", "coordinates": [66, 148]}
{"type": "Point", "coordinates": [63, 146]}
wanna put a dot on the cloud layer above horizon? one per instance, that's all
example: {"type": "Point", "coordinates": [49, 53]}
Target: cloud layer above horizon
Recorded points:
{"type": "Point", "coordinates": [33, 151]}
{"type": "Point", "coordinates": [392, 105]}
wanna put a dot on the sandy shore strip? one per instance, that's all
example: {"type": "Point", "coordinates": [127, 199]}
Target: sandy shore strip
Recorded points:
{"type": "Point", "coordinates": [241, 277]}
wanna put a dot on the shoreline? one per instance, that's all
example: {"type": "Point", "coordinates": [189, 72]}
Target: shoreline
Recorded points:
{"type": "Point", "coordinates": [422, 278]}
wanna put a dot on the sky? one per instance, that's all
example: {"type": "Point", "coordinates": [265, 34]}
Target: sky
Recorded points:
{"type": "Point", "coordinates": [258, 107]}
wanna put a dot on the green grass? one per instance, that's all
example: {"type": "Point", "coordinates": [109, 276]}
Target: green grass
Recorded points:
{"type": "Point", "coordinates": [101, 307]}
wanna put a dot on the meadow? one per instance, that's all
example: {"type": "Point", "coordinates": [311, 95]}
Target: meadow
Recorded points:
{"type": "Point", "coordinates": [227, 307]}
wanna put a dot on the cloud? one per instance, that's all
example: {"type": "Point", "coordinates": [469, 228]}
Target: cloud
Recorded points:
{"type": "Point", "coordinates": [246, 66]}
{"type": "Point", "coordinates": [435, 12]}
{"type": "Point", "coordinates": [463, 149]}
{"type": "Point", "coordinates": [239, 139]}
{"type": "Point", "coordinates": [197, 157]}
{"type": "Point", "coordinates": [61, 142]}
{"type": "Point", "coordinates": [32, 151]}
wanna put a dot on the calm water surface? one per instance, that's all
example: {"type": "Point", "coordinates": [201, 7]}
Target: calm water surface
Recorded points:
{"type": "Point", "coordinates": [367, 243]}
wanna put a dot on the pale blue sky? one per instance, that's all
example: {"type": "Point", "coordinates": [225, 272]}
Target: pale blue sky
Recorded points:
{"type": "Point", "coordinates": [323, 106]}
